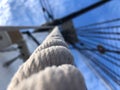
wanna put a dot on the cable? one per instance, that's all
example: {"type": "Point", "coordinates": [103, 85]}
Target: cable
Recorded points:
{"type": "Point", "coordinates": [44, 8]}
{"type": "Point", "coordinates": [108, 54]}
{"type": "Point", "coordinates": [101, 41]}
{"type": "Point", "coordinates": [102, 67]}
{"type": "Point", "coordinates": [100, 32]}
{"type": "Point", "coordinates": [101, 37]}
{"type": "Point", "coordinates": [100, 28]}
{"type": "Point", "coordinates": [89, 44]}
{"type": "Point", "coordinates": [33, 38]}
{"type": "Point", "coordinates": [48, 9]}
{"type": "Point", "coordinates": [97, 49]}
{"type": "Point", "coordinates": [100, 23]}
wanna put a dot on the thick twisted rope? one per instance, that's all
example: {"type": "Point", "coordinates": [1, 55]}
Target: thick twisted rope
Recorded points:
{"type": "Point", "coordinates": [64, 77]}
{"type": "Point", "coordinates": [53, 39]}
{"type": "Point", "coordinates": [53, 51]}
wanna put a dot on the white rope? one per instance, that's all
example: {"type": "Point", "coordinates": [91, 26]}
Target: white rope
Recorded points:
{"type": "Point", "coordinates": [65, 77]}
{"type": "Point", "coordinates": [53, 39]}
{"type": "Point", "coordinates": [53, 51]}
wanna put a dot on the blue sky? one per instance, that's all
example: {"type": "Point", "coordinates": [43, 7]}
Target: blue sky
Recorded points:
{"type": "Point", "coordinates": [28, 12]}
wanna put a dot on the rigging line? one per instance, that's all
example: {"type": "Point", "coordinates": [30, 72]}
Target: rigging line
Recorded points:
{"type": "Point", "coordinates": [97, 72]}
{"type": "Point", "coordinates": [44, 10]}
{"type": "Point", "coordinates": [77, 13]}
{"type": "Point", "coordinates": [100, 32]}
{"type": "Point", "coordinates": [107, 54]}
{"type": "Point", "coordinates": [113, 73]}
{"type": "Point", "coordinates": [100, 28]}
{"type": "Point", "coordinates": [47, 11]}
{"type": "Point", "coordinates": [104, 43]}
{"type": "Point", "coordinates": [107, 71]}
{"type": "Point", "coordinates": [87, 54]}
{"type": "Point", "coordinates": [105, 58]}
{"type": "Point", "coordinates": [90, 39]}
{"type": "Point", "coordinates": [99, 37]}
{"type": "Point", "coordinates": [49, 6]}
{"type": "Point", "coordinates": [89, 43]}
{"type": "Point", "coordinates": [113, 57]}
{"type": "Point", "coordinates": [83, 45]}
{"type": "Point", "coordinates": [106, 50]}
{"type": "Point", "coordinates": [114, 79]}
{"type": "Point", "coordinates": [33, 38]}
{"type": "Point", "coordinates": [110, 70]}
{"type": "Point", "coordinates": [100, 23]}
{"type": "Point", "coordinates": [44, 5]}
